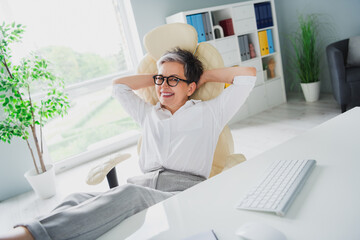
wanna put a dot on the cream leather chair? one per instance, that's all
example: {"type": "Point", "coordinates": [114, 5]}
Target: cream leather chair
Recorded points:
{"type": "Point", "coordinates": [157, 42]}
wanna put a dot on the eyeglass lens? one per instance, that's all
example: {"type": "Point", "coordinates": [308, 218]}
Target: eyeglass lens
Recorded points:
{"type": "Point", "coordinates": [171, 81]}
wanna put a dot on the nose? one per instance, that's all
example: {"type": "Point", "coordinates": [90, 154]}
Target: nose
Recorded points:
{"type": "Point", "coordinates": [165, 84]}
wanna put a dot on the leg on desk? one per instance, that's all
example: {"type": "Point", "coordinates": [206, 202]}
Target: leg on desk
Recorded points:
{"type": "Point", "coordinates": [89, 216]}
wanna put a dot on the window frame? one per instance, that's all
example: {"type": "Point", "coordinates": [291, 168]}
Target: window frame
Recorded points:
{"type": "Point", "coordinates": [127, 139]}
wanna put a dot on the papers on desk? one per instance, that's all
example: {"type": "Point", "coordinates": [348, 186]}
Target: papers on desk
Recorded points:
{"type": "Point", "coordinates": [208, 235]}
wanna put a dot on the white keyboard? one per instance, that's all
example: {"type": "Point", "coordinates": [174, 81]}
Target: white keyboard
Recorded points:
{"type": "Point", "coordinates": [278, 187]}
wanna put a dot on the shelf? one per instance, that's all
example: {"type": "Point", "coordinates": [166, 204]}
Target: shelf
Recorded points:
{"type": "Point", "coordinates": [269, 80]}
{"type": "Point", "coordinates": [269, 55]}
{"type": "Point", "coordinates": [236, 50]}
{"type": "Point", "coordinates": [264, 29]}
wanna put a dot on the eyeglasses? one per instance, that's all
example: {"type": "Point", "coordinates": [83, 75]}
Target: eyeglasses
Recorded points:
{"type": "Point", "coordinates": [172, 81]}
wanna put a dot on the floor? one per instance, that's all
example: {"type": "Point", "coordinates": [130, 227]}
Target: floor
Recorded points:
{"type": "Point", "coordinates": [252, 136]}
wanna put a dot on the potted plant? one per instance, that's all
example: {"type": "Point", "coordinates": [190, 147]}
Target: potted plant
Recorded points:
{"type": "Point", "coordinates": [306, 59]}
{"type": "Point", "coordinates": [25, 113]}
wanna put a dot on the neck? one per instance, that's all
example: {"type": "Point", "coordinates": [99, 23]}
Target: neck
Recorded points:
{"type": "Point", "coordinates": [172, 109]}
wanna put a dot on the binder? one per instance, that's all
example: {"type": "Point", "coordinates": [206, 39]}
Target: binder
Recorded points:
{"type": "Point", "coordinates": [200, 28]}
{"type": "Point", "coordinates": [188, 20]}
{"type": "Point", "coordinates": [257, 16]}
{"type": "Point", "coordinates": [263, 15]}
{"type": "Point", "coordinates": [205, 26]}
{"type": "Point", "coordinates": [193, 22]}
{"type": "Point", "coordinates": [270, 40]}
{"type": "Point", "coordinates": [208, 23]}
{"type": "Point", "coordinates": [264, 49]}
{"type": "Point", "coordinates": [242, 48]}
{"type": "Point", "coordinates": [269, 15]}
{"type": "Point", "coordinates": [247, 49]}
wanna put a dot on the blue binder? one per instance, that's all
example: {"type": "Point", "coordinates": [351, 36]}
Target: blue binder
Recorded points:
{"type": "Point", "coordinates": [200, 28]}
{"type": "Point", "coordinates": [193, 21]}
{"type": "Point", "coordinates": [257, 16]}
{"type": "Point", "coordinates": [270, 41]}
{"type": "Point", "coordinates": [188, 20]}
{"type": "Point", "coordinates": [269, 15]}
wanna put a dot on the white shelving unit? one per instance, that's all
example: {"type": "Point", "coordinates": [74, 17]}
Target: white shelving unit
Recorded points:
{"type": "Point", "coordinates": [268, 92]}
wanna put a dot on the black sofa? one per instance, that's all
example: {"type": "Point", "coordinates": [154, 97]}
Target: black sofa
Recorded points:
{"type": "Point", "coordinates": [345, 80]}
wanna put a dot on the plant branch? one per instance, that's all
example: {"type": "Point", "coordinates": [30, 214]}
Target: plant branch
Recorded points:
{"type": "Point", "coordinates": [41, 134]}
{"type": "Point", "coordinates": [33, 129]}
{"type": "Point", "coordinates": [5, 65]}
{"type": "Point", "coordinates": [32, 155]}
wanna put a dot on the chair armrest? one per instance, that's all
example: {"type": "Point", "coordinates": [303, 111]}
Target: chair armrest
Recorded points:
{"type": "Point", "coordinates": [97, 174]}
{"type": "Point", "coordinates": [233, 160]}
{"type": "Point", "coordinates": [336, 56]}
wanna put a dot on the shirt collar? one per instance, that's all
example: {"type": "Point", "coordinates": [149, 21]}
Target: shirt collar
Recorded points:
{"type": "Point", "coordinates": [188, 104]}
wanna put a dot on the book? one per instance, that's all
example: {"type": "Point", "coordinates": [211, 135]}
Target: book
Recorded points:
{"type": "Point", "coordinates": [227, 26]}
{"type": "Point", "coordinates": [270, 40]}
{"type": "Point", "coordinates": [207, 235]}
{"type": "Point", "coordinates": [264, 48]}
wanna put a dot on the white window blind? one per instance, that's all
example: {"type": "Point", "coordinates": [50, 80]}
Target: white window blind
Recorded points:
{"type": "Point", "coordinates": [88, 43]}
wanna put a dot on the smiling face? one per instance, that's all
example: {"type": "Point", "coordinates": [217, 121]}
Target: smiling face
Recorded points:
{"type": "Point", "coordinates": [172, 98]}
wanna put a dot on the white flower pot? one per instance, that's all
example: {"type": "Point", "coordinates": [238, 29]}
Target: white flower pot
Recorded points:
{"type": "Point", "coordinates": [311, 91]}
{"type": "Point", "coordinates": [43, 183]}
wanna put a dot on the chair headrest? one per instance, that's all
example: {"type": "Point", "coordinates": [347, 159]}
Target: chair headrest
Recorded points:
{"type": "Point", "coordinates": [163, 38]}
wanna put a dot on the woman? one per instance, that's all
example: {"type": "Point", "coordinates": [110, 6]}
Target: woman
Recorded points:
{"type": "Point", "coordinates": [179, 140]}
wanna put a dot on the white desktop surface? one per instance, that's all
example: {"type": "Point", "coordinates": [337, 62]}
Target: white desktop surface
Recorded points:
{"type": "Point", "coordinates": [328, 207]}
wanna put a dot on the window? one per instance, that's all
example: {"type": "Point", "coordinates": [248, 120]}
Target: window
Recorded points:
{"type": "Point", "coordinates": [86, 42]}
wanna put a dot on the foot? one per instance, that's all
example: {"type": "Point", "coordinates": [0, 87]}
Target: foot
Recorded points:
{"type": "Point", "coordinates": [98, 173]}
{"type": "Point", "coordinates": [19, 233]}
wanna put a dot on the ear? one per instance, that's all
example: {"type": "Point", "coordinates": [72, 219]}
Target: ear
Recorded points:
{"type": "Point", "coordinates": [191, 88]}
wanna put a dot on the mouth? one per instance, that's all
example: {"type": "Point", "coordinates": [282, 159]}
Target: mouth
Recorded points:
{"type": "Point", "coordinates": [167, 94]}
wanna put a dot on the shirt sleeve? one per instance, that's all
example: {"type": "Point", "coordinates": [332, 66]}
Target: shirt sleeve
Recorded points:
{"type": "Point", "coordinates": [136, 107]}
{"type": "Point", "coordinates": [231, 99]}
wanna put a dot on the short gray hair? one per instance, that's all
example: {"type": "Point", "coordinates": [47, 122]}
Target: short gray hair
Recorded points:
{"type": "Point", "coordinates": [193, 68]}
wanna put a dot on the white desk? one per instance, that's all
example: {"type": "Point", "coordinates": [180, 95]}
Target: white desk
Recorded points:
{"type": "Point", "coordinates": [328, 207]}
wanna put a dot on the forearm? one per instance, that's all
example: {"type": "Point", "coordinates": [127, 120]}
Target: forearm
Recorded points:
{"type": "Point", "coordinates": [136, 82]}
{"type": "Point", "coordinates": [226, 75]}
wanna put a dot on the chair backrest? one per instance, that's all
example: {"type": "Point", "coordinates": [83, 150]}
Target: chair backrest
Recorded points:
{"type": "Point", "coordinates": [164, 38]}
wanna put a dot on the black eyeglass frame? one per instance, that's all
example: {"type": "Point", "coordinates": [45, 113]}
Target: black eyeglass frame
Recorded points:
{"type": "Point", "coordinates": [167, 80]}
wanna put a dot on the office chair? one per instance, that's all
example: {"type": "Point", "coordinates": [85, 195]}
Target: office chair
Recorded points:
{"type": "Point", "coordinates": [157, 42]}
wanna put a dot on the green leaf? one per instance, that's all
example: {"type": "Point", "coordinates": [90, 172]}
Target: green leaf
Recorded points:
{"type": "Point", "coordinates": [6, 102]}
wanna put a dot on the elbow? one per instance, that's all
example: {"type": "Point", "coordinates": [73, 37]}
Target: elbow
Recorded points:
{"type": "Point", "coordinates": [115, 81]}
{"type": "Point", "coordinates": [252, 71]}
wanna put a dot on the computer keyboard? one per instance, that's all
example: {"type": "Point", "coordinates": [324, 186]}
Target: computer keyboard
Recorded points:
{"type": "Point", "coordinates": [278, 187]}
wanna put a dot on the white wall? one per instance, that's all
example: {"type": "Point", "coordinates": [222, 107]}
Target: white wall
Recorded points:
{"type": "Point", "coordinates": [149, 14]}
{"type": "Point", "coordinates": [15, 160]}
{"type": "Point", "coordinates": [342, 17]}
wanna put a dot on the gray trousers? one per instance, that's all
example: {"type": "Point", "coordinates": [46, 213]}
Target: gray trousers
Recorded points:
{"type": "Point", "coordinates": [90, 215]}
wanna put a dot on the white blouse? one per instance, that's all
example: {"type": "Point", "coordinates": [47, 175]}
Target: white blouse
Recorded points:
{"type": "Point", "coordinates": [185, 141]}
